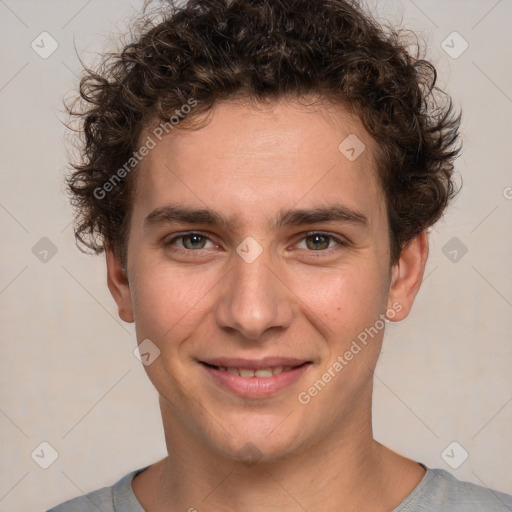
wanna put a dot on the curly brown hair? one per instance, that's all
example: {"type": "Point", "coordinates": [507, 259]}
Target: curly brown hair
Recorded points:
{"type": "Point", "coordinates": [213, 50]}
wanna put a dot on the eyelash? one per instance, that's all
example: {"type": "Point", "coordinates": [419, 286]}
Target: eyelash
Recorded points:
{"type": "Point", "coordinates": [339, 242]}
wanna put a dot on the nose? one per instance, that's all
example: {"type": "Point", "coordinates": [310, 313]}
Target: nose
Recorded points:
{"type": "Point", "coordinates": [253, 299]}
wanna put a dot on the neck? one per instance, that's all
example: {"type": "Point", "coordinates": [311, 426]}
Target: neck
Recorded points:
{"type": "Point", "coordinates": [348, 468]}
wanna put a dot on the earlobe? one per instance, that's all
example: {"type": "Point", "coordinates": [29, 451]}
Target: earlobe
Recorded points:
{"type": "Point", "coordinates": [119, 286]}
{"type": "Point", "coordinates": [407, 275]}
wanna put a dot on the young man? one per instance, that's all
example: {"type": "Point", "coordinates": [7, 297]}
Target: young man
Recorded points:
{"type": "Point", "coordinates": [261, 176]}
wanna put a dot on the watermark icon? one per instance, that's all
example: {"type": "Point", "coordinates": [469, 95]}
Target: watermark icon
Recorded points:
{"type": "Point", "coordinates": [352, 147]}
{"type": "Point", "coordinates": [507, 193]}
{"type": "Point", "coordinates": [44, 250]}
{"type": "Point", "coordinates": [454, 455]}
{"type": "Point", "coordinates": [454, 45]}
{"type": "Point", "coordinates": [454, 249]}
{"type": "Point", "coordinates": [150, 143]}
{"type": "Point", "coordinates": [146, 352]}
{"type": "Point", "coordinates": [249, 249]}
{"type": "Point", "coordinates": [250, 454]}
{"type": "Point", "coordinates": [44, 45]}
{"type": "Point", "coordinates": [361, 341]}
{"type": "Point", "coordinates": [44, 454]}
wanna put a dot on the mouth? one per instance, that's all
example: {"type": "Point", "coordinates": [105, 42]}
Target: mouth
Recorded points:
{"type": "Point", "coordinates": [255, 378]}
{"type": "Point", "coordinates": [263, 373]}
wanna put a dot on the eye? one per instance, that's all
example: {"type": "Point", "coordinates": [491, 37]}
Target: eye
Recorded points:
{"type": "Point", "coordinates": [191, 241]}
{"type": "Point", "coordinates": [318, 242]}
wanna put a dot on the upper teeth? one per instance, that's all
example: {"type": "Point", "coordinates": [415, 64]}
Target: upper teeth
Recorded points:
{"type": "Point", "coordinates": [262, 372]}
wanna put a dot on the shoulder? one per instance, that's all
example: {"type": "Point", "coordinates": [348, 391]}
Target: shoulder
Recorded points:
{"type": "Point", "coordinates": [100, 499]}
{"type": "Point", "coordinates": [116, 498]}
{"type": "Point", "coordinates": [440, 491]}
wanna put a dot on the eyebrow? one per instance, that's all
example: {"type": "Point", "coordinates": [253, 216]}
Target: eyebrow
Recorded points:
{"type": "Point", "coordinates": [334, 213]}
{"type": "Point", "coordinates": [181, 214]}
{"type": "Point", "coordinates": [294, 217]}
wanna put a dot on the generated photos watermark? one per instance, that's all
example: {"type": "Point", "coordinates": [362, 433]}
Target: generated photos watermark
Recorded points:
{"type": "Point", "coordinates": [150, 143]}
{"type": "Point", "coordinates": [357, 345]}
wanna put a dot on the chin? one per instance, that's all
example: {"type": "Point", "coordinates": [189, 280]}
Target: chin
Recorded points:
{"type": "Point", "coordinates": [252, 446]}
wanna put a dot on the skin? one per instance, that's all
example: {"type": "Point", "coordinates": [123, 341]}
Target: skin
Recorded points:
{"type": "Point", "coordinates": [251, 163]}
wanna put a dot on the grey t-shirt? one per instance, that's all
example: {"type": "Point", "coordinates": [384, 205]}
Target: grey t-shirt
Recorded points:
{"type": "Point", "coordinates": [438, 491]}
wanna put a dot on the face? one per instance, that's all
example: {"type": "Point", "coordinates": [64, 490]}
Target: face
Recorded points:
{"type": "Point", "coordinates": [258, 265]}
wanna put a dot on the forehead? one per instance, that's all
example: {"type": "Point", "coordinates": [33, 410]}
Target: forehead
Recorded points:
{"type": "Point", "coordinates": [252, 160]}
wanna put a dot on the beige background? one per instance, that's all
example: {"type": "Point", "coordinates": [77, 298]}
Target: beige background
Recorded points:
{"type": "Point", "coordinates": [68, 375]}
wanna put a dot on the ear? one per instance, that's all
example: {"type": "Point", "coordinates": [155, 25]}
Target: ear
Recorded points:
{"type": "Point", "coordinates": [119, 286]}
{"type": "Point", "coordinates": [407, 275]}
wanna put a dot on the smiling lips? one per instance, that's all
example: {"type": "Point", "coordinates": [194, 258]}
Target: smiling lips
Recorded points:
{"type": "Point", "coordinates": [247, 372]}
{"type": "Point", "coordinates": [255, 378]}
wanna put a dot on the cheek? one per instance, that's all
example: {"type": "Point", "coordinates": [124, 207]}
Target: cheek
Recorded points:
{"type": "Point", "coordinates": [345, 300]}
{"type": "Point", "coordinates": [167, 301]}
